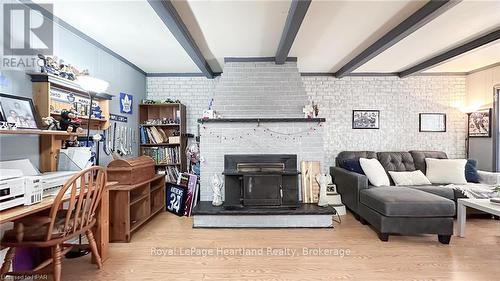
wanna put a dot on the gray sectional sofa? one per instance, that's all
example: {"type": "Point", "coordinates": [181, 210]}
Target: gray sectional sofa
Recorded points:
{"type": "Point", "coordinates": [402, 209]}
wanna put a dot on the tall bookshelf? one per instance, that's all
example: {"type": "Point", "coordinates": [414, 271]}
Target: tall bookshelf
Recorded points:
{"type": "Point", "coordinates": [167, 118]}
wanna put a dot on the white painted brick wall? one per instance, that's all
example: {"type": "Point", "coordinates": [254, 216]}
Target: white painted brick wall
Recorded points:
{"type": "Point", "coordinates": [400, 101]}
{"type": "Point", "coordinates": [267, 90]}
{"type": "Point", "coordinates": [194, 92]}
{"type": "Point", "coordinates": [218, 139]}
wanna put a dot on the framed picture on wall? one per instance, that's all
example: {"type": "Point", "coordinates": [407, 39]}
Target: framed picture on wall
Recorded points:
{"type": "Point", "coordinates": [432, 122]}
{"type": "Point", "coordinates": [365, 119]}
{"type": "Point", "coordinates": [19, 111]}
{"type": "Point", "coordinates": [479, 123]}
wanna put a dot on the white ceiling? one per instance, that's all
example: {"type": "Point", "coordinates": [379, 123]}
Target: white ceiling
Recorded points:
{"type": "Point", "coordinates": [332, 33]}
{"type": "Point", "coordinates": [240, 28]}
{"type": "Point", "coordinates": [129, 28]}
{"type": "Point", "coordinates": [461, 23]}
{"type": "Point", "coordinates": [472, 60]}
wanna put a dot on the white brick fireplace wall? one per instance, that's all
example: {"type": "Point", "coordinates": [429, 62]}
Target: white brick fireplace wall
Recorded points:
{"type": "Point", "coordinates": [246, 138]}
{"type": "Point", "coordinates": [267, 90]}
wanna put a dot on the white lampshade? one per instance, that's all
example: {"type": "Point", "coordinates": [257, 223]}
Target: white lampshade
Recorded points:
{"type": "Point", "coordinates": [92, 84]}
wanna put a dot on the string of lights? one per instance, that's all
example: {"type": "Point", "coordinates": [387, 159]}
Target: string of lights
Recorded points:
{"type": "Point", "coordinates": [251, 133]}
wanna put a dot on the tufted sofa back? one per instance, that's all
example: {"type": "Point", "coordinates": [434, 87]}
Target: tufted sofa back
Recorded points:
{"type": "Point", "coordinates": [396, 161]}
{"type": "Point", "coordinates": [420, 155]}
{"type": "Point", "coordinates": [348, 155]}
{"type": "Point", "coordinates": [399, 161]}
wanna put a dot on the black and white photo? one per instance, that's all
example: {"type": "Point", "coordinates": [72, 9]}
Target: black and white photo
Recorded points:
{"type": "Point", "coordinates": [365, 119]}
{"type": "Point", "coordinates": [480, 123]}
{"type": "Point", "coordinates": [19, 111]}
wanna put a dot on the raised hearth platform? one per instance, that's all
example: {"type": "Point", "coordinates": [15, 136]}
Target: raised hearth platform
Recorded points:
{"type": "Point", "coordinates": [305, 216]}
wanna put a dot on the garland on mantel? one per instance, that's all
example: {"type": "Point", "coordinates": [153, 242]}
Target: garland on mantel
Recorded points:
{"type": "Point", "coordinates": [271, 133]}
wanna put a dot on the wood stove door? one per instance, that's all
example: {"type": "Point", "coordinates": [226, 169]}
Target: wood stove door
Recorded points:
{"type": "Point", "coordinates": [262, 190]}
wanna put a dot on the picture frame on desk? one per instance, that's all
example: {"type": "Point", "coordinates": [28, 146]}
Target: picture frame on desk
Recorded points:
{"type": "Point", "coordinates": [19, 112]}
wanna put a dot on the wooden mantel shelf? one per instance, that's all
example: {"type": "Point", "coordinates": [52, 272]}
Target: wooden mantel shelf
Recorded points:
{"type": "Point", "coordinates": [39, 132]}
{"type": "Point", "coordinates": [261, 120]}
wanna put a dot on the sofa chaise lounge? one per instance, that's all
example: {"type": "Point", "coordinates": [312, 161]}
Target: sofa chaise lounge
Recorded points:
{"type": "Point", "coordinates": [426, 209]}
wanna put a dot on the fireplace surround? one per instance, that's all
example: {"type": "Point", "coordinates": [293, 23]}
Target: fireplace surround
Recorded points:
{"type": "Point", "coordinates": [261, 181]}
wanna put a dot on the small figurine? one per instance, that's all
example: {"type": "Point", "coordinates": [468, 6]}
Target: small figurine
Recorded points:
{"type": "Point", "coordinates": [70, 122]}
{"type": "Point", "coordinates": [66, 71]}
{"type": "Point", "coordinates": [51, 123]}
{"type": "Point", "coordinates": [323, 181]}
{"type": "Point", "coordinates": [71, 142]}
{"type": "Point", "coordinates": [217, 190]}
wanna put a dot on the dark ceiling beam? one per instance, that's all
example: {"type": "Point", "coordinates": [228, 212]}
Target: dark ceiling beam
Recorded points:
{"type": "Point", "coordinates": [469, 46]}
{"type": "Point", "coordinates": [296, 15]}
{"type": "Point", "coordinates": [428, 12]}
{"type": "Point", "coordinates": [168, 14]}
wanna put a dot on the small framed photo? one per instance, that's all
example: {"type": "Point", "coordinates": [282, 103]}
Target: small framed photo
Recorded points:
{"type": "Point", "coordinates": [365, 119]}
{"type": "Point", "coordinates": [432, 122]}
{"type": "Point", "coordinates": [19, 111]}
{"type": "Point", "coordinates": [479, 123]}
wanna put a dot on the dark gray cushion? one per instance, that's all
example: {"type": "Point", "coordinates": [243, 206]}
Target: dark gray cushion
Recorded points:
{"type": "Point", "coordinates": [447, 193]}
{"type": "Point", "coordinates": [347, 155]}
{"type": "Point", "coordinates": [396, 161]}
{"type": "Point", "coordinates": [406, 202]}
{"type": "Point", "coordinates": [420, 155]}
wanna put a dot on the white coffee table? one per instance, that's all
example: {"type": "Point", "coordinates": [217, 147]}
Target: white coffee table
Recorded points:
{"type": "Point", "coordinates": [480, 204]}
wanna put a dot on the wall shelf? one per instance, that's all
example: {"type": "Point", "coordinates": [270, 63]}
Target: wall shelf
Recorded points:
{"type": "Point", "coordinates": [160, 144]}
{"type": "Point", "coordinates": [262, 120]}
{"type": "Point", "coordinates": [39, 133]}
{"type": "Point", "coordinates": [159, 125]}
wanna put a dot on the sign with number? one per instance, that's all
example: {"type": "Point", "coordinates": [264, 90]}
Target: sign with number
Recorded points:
{"type": "Point", "coordinates": [176, 199]}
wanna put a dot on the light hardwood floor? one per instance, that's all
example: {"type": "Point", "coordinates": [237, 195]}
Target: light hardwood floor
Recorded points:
{"type": "Point", "coordinates": [476, 257]}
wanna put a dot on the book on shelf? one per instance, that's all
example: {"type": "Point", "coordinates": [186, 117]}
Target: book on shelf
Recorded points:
{"type": "Point", "coordinates": [171, 173]}
{"type": "Point", "coordinates": [153, 135]}
{"type": "Point", "coordinates": [163, 155]}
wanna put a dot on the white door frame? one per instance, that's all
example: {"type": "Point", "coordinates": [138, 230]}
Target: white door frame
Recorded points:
{"type": "Point", "coordinates": [496, 128]}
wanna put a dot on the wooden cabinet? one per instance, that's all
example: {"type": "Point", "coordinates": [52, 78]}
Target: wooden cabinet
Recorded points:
{"type": "Point", "coordinates": [51, 94]}
{"type": "Point", "coordinates": [133, 205]}
{"type": "Point", "coordinates": [139, 196]}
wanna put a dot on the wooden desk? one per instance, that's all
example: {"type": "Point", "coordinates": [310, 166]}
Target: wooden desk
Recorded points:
{"type": "Point", "coordinates": [102, 225]}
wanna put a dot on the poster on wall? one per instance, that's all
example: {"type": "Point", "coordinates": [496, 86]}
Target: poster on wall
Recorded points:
{"type": "Point", "coordinates": [480, 123]}
{"type": "Point", "coordinates": [126, 103]}
{"type": "Point", "coordinates": [365, 119]}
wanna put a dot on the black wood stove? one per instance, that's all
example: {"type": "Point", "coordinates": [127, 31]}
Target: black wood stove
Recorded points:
{"type": "Point", "coordinates": [261, 181]}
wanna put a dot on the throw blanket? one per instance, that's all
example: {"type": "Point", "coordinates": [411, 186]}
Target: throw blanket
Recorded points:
{"type": "Point", "coordinates": [475, 191]}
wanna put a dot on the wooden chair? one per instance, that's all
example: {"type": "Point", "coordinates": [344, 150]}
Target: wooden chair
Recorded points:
{"type": "Point", "coordinates": [72, 214]}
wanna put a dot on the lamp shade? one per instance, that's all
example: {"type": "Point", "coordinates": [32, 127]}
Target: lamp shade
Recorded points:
{"type": "Point", "coordinates": [92, 84]}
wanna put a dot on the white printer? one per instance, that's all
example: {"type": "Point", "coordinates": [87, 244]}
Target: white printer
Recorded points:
{"type": "Point", "coordinates": [11, 188]}
{"type": "Point", "coordinates": [36, 185]}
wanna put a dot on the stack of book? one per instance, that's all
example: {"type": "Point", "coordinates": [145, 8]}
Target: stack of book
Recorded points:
{"type": "Point", "coordinates": [163, 155]}
{"type": "Point", "coordinates": [153, 135]}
